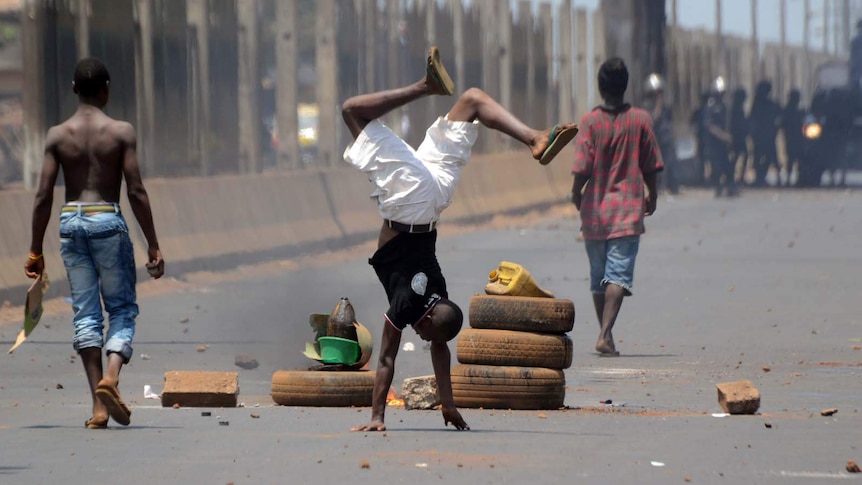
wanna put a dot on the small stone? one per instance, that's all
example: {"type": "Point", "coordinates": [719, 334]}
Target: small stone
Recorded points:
{"type": "Point", "coordinates": [203, 413]}
{"type": "Point", "coordinates": [766, 368]}
{"type": "Point", "coordinates": [184, 320]}
{"type": "Point", "coordinates": [790, 244]}
{"type": "Point", "coordinates": [852, 467]}
{"type": "Point", "coordinates": [59, 386]}
{"type": "Point", "coordinates": [224, 423]}
{"type": "Point", "coordinates": [255, 416]}
{"type": "Point", "coordinates": [202, 348]}
{"type": "Point", "coordinates": [245, 362]}
{"type": "Point", "coordinates": [768, 425]}
{"type": "Point", "coordinates": [543, 416]}
{"type": "Point", "coordinates": [176, 405]}
{"type": "Point", "coordinates": [828, 412]}
{"type": "Point", "coordinates": [364, 465]}
{"type": "Point", "coordinates": [739, 397]}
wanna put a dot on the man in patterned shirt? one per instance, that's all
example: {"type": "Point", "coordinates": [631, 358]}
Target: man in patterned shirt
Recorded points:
{"type": "Point", "coordinates": [616, 155]}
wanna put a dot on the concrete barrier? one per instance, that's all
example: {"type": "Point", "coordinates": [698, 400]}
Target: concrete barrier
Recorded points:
{"type": "Point", "coordinates": [225, 221]}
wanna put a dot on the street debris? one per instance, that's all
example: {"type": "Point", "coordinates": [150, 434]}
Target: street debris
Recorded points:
{"type": "Point", "coordinates": [656, 463]}
{"type": "Point", "coordinates": [206, 413]}
{"type": "Point", "coordinates": [720, 415]}
{"type": "Point", "coordinates": [364, 465]}
{"type": "Point", "coordinates": [145, 357]}
{"type": "Point", "coordinates": [828, 412]}
{"type": "Point", "coordinates": [408, 347]}
{"type": "Point", "coordinates": [543, 416]}
{"type": "Point", "coordinates": [421, 465]}
{"type": "Point", "coordinates": [739, 397]}
{"type": "Point", "coordinates": [768, 425]}
{"type": "Point", "coordinates": [852, 467]}
{"type": "Point", "coordinates": [149, 394]}
{"type": "Point", "coordinates": [245, 362]}
{"type": "Point", "coordinates": [224, 423]}
{"type": "Point", "coordinates": [766, 368]}
{"type": "Point", "coordinates": [59, 386]}
{"type": "Point", "coordinates": [176, 405]}
{"type": "Point", "coordinates": [184, 320]}
{"type": "Point", "coordinates": [420, 392]}
{"type": "Point", "coordinates": [254, 416]}
{"type": "Point", "coordinates": [202, 348]}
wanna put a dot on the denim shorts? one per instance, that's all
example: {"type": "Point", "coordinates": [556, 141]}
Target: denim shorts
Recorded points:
{"type": "Point", "coordinates": [612, 261]}
{"type": "Point", "coordinates": [100, 264]}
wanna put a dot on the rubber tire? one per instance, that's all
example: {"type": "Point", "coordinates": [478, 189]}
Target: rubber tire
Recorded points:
{"type": "Point", "coordinates": [522, 313]}
{"type": "Point", "coordinates": [509, 348]}
{"type": "Point", "coordinates": [322, 388]}
{"type": "Point", "coordinates": [494, 387]}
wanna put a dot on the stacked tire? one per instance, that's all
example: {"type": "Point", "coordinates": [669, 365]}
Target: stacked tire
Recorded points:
{"type": "Point", "coordinates": [514, 353]}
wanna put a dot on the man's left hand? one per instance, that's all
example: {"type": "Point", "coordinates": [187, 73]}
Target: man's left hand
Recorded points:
{"type": "Point", "coordinates": [650, 205]}
{"type": "Point", "coordinates": [451, 415]}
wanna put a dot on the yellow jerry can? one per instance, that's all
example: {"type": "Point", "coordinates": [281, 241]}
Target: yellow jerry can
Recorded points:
{"type": "Point", "coordinates": [512, 279]}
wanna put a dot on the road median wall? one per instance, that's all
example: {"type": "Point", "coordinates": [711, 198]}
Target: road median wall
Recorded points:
{"type": "Point", "coordinates": [221, 222]}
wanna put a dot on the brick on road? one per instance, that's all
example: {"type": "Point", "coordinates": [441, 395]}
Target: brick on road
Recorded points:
{"type": "Point", "coordinates": [739, 397]}
{"type": "Point", "coordinates": [200, 389]}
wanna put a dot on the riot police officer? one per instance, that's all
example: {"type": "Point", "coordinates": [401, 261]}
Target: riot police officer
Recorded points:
{"type": "Point", "coordinates": [662, 125]}
{"type": "Point", "coordinates": [792, 119]}
{"type": "Point", "coordinates": [764, 118]}
{"type": "Point", "coordinates": [719, 139]}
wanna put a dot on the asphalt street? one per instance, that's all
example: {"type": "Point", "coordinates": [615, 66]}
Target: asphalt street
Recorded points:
{"type": "Point", "coordinates": [762, 287]}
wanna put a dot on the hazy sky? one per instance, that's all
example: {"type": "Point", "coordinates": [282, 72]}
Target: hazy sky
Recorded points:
{"type": "Point", "coordinates": [737, 17]}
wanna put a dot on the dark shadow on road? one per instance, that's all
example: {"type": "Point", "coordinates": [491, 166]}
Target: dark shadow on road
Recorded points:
{"type": "Point", "coordinates": [12, 470]}
{"type": "Point", "coordinates": [487, 431]}
{"type": "Point", "coordinates": [641, 356]}
{"type": "Point", "coordinates": [57, 426]}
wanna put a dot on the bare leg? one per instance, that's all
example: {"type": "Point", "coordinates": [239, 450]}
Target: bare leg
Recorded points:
{"type": "Point", "coordinates": [476, 104]}
{"type": "Point", "coordinates": [360, 110]}
{"type": "Point", "coordinates": [612, 302]}
{"type": "Point", "coordinates": [92, 360]}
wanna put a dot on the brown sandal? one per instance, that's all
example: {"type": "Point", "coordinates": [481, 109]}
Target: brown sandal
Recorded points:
{"type": "Point", "coordinates": [94, 423]}
{"type": "Point", "coordinates": [110, 397]}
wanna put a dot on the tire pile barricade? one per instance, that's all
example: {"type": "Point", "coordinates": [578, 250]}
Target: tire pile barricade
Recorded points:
{"type": "Point", "coordinates": [514, 353]}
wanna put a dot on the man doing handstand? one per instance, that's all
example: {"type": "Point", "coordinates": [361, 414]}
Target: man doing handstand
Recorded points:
{"type": "Point", "coordinates": [412, 188]}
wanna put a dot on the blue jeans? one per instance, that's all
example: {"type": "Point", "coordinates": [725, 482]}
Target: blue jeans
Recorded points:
{"type": "Point", "coordinates": [612, 262]}
{"type": "Point", "coordinates": [99, 260]}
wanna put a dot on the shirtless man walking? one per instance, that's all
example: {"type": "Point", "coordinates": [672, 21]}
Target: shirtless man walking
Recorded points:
{"type": "Point", "coordinates": [412, 188]}
{"type": "Point", "coordinates": [96, 153]}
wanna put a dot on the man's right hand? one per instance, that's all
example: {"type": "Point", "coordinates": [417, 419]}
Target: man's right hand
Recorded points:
{"type": "Point", "coordinates": [376, 425]}
{"type": "Point", "coordinates": [34, 267]}
{"type": "Point", "coordinates": [156, 265]}
{"type": "Point", "coordinates": [451, 415]}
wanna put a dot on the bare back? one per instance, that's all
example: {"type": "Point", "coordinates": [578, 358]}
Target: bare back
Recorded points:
{"type": "Point", "coordinates": [90, 148]}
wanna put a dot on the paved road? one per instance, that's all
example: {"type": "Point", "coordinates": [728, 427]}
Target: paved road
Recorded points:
{"type": "Point", "coordinates": [725, 290]}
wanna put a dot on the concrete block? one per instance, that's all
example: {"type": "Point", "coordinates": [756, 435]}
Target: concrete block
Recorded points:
{"type": "Point", "coordinates": [739, 397]}
{"type": "Point", "coordinates": [201, 389]}
{"type": "Point", "coordinates": [420, 392]}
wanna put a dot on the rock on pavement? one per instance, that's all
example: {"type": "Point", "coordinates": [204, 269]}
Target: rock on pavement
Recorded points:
{"type": "Point", "coordinates": [420, 392]}
{"type": "Point", "coordinates": [739, 397]}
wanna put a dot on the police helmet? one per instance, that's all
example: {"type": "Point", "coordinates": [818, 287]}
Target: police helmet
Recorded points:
{"type": "Point", "coordinates": [654, 83]}
{"type": "Point", "coordinates": [718, 86]}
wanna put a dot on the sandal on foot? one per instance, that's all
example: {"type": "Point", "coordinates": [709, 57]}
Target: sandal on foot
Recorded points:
{"type": "Point", "coordinates": [96, 423]}
{"type": "Point", "coordinates": [110, 397]}
{"type": "Point", "coordinates": [558, 139]}
{"type": "Point", "coordinates": [438, 73]}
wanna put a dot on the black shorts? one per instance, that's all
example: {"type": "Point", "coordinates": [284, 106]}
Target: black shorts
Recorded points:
{"type": "Point", "coordinates": [408, 269]}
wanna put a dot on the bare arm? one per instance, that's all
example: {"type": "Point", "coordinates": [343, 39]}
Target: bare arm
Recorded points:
{"type": "Point", "coordinates": [441, 359]}
{"type": "Point", "coordinates": [382, 378]}
{"type": "Point", "coordinates": [652, 196]}
{"type": "Point", "coordinates": [139, 200]}
{"type": "Point", "coordinates": [42, 206]}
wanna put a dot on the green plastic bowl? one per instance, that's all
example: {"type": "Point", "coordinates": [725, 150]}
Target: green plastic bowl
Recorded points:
{"type": "Point", "coordinates": [337, 350]}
